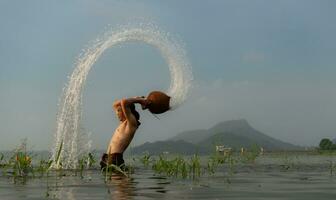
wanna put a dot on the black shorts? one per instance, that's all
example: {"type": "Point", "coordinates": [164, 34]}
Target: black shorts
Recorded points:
{"type": "Point", "coordinates": [115, 159]}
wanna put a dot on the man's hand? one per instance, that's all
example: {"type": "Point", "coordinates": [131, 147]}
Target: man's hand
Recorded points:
{"type": "Point", "coordinates": [143, 102]}
{"type": "Point", "coordinates": [139, 97]}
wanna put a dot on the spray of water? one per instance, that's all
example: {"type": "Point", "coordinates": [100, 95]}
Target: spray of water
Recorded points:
{"type": "Point", "coordinates": [68, 134]}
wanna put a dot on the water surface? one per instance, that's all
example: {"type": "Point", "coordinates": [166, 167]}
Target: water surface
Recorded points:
{"type": "Point", "coordinates": [271, 177]}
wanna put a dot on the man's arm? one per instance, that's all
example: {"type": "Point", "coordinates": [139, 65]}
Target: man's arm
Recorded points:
{"type": "Point", "coordinates": [126, 110]}
{"type": "Point", "coordinates": [138, 99]}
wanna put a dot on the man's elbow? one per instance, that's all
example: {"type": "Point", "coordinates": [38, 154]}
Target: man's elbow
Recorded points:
{"type": "Point", "coordinates": [124, 102]}
{"type": "Point", "coordinates": [116, 104]}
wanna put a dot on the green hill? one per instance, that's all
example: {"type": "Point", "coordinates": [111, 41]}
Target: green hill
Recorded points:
{"type": "Point", "coordinates": [194, 137]}
{"type": "Point", "coordinates": [235, 133]}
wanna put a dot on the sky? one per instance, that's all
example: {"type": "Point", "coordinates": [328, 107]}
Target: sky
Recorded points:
{"type": "Point", "coordinates": [269, 62]}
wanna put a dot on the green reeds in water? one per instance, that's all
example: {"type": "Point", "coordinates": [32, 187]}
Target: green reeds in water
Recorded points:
{"type": "Point", "coordinates": [19, 164]}
{"type": "Point", "coordinates": [251, 155]}
{"type": "Point", "coordinates": [332, 167]}
{"type": "Point", "coordinates": [287, 161]}
{"type": "Point", "coordinates": [229, 160]}
{"type": "Point", "coordinates": [146, 160]}
{"type": "Point", "coordinates": [44, 167]}
{"type": "Point", "coordinates": [111, 169]}
{"type": "Point", "coordinates": [1, 160]}
{"type": "Point", "coordinates": [195, 166]}
{"type": "Point", "coordinates": [58, 155]}
{"type": "Point", "coordinates": [178, 167]}
{"type": "Point", "coordinates": [86, 162]}
{"type": "Point", "coordinates": [191, 168]}
{"type": "Point", "coordinates": [215, 160]}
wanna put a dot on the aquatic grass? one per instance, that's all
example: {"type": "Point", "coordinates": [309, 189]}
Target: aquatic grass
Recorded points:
{"type": "Point", "coordinates": [214, 161]}
{"type": "Point", "coordinates": [111, 168]}
{"type": "Point", "coordinates": [3, 164]}
{"type": "Point", "coordinates": [217, 159]}
{"type": "Point", "coordinates": [20, 163]}
{"type": "Point", "coordinates": [232, 162]}
{"type": "Point", "coordinates": [90, 160]}
{"type": "Point", "coordinates": [331, 167]}
{"type": "Point", "coordinates": [287, 161]}
{"type": "Point", "coordinates": [212, 166]}
{"type": "Point", "coordinates": [146, 160]}
{"type": "Point", "coordinates": [81, 163]}
{"type": "Point", "coordinates": [160, 165]}
{"type": "Point", "coordinates": [163, 165]}
{"type": "Point", "coordinates": [86, 161]}
{"type": "Point", "coordinates": [195, 166]}
{"type": "Point", "coordinates": [19, 168]}
{"type": "Point", "coordinates": [44, 167]}
{"type": "Point", "coordinates": [2, 156]}
{"type": "Point", "coordinates": [58, 155]}
{"type": "Point", "coordinates": [250, 155]}
{"type": "Point", "coordinates": [170, 167]}
{"type": "Point", "coordinates": [178, 167]}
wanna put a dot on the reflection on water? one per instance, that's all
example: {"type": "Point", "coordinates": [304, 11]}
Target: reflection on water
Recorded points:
{"type": "Point", "coordinates": [120, 187]}
{"type": "Point", "coordinates": [97, 186]}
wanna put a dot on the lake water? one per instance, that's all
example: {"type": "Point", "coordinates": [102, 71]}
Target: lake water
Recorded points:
{"type": "Point", "coordinates": [282, 176]}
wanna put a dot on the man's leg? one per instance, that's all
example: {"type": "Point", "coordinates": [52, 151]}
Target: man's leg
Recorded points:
{"type": "Point", "coordinates": [103, 162]}
{"type": "Point", "coordinates": [115, 159]}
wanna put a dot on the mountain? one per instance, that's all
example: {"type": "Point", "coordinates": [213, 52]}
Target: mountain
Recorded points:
{"type": "Point", "coordinates": [193, 137]}
{"type": "Point", "coordinates": [233, 133]}
{"type": "Point", "coordinates": [238, 133]}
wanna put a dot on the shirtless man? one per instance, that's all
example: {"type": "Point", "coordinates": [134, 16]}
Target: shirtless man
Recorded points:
{"type": "Point", "coordinates": [123, 135]}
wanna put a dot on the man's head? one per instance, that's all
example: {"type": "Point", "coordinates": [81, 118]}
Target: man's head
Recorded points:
{"type": "Point", "coordinates": [120, 114]}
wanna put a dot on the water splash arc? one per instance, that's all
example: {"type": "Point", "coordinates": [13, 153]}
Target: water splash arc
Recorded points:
{"type": "Point", "coordinates": [68, 131]}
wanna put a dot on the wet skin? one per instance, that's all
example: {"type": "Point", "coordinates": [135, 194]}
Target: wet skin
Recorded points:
{"type": "Point", "coordinates": [127, 127]}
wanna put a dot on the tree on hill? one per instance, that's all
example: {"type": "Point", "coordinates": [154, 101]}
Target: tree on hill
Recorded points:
{"type": "Point", "coordinates": [327, 144]}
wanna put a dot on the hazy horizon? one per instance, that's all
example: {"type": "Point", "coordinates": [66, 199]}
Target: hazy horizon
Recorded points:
{"type": "Point", "coordinates": [269, 62]}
